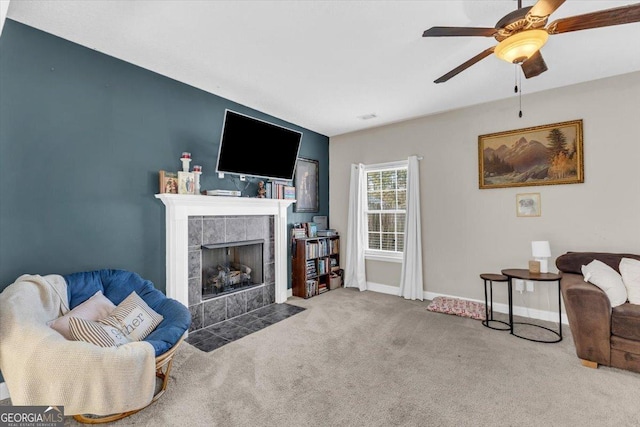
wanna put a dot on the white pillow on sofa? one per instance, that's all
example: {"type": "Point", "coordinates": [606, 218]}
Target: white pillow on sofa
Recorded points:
{"type": "Point", "coordinates": [607, 279]}
{"type": "Point", "coordinates": [630, 270]}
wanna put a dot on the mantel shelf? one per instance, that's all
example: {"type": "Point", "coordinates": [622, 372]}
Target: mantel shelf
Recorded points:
{"type": "Point", "coordinates": [194, 200]}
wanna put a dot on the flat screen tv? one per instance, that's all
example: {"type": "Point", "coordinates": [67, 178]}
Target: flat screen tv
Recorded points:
{"type": "Point", "coordinates": [253, 147]}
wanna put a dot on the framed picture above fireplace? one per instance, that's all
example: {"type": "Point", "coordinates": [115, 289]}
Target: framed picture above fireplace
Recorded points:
{"type": "Point", "coordinates": [306, 183]}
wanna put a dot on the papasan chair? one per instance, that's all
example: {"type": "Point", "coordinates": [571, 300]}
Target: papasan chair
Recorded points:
{"type": "Point", "coordinates": [94, 384]}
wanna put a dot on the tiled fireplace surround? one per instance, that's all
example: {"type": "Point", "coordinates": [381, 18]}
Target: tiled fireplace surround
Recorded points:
{"type": "Point", "coordinates": [225, 229]}
{"type": "Point", "coordinates": [223, 219]}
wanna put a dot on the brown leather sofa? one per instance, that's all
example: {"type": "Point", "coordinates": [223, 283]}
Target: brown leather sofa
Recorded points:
{"type": "Point", "coordinates": [601, 335]}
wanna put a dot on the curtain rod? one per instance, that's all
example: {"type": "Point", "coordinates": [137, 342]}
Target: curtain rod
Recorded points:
{"type": "Point", "coordinates": [385, 164]}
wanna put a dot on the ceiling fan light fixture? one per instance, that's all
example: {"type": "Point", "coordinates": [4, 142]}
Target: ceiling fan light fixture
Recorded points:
{"type": "Point", "coordinates": [520, 46]}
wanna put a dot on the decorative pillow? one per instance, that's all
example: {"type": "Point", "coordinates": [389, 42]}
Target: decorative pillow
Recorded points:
{"type": "Point", "coordinates": [96, 307]}
{"type": "Point", "coordinates": [607, 279]}
{"type": "Point", "coordinates": [97, 333]}
{"type": "Point", "coordinates": [630, 270]}
{"type": "Point", "coordinates": [132, 320]}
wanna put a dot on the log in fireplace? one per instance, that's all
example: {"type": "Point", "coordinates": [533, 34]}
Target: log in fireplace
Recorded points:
{"type": "Point", "coordinates": [231, 267]}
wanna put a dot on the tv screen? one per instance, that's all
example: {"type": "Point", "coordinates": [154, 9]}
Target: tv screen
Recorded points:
{"type": "Point", "coordinates": [249, 146]}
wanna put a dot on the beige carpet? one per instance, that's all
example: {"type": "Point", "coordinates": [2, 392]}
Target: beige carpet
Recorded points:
{"type": "Point", "coordinates": [367, 359]}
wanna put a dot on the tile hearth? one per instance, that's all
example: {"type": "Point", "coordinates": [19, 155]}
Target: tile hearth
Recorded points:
{"type": "Point", "coordinates": [215, 336]}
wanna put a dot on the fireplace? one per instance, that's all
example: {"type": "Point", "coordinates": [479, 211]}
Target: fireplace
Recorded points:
{"type": "Point", "coordinates": [231, 267]}
{"type": "Point", "coordinates": [193, 221]}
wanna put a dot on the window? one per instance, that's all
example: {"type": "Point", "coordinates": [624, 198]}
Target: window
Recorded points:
{"type": "Point", "coordinates": [386, 210]}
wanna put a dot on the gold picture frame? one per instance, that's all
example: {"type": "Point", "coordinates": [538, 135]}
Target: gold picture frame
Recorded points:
{"type": "Point", "coordinates": [528, 204]}
{"type": "Point", "coordinates": [541, 155]}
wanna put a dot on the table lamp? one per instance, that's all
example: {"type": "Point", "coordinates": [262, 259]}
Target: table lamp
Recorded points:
{"type": "Point", "coordinates": [541, 252]}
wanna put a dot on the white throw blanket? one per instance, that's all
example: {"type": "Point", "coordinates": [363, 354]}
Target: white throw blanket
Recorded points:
{"type": "Point", "coordinates": [41, 367]}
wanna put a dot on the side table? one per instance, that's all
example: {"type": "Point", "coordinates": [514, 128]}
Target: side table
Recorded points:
{"type": "Point", "coordinates": [524, 274]}
{"type": "Point", "coordinates": [488, 302]}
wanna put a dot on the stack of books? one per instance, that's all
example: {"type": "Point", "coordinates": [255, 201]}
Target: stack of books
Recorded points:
{"type": "Point", "coordinates": [280, 190]}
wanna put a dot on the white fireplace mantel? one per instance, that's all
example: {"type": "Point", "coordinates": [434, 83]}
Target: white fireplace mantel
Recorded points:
{"type": "Point", "coordinates": [179, 207]}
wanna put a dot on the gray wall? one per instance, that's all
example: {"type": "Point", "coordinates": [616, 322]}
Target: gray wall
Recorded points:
{"type": "Point", "coordinates": [82, 137]}
{"type": "Point", "coordinates": [467, 231]}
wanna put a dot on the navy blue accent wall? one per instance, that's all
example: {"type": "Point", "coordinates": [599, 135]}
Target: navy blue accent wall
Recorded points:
{"type": "Point", "coordinates": [82, 137]}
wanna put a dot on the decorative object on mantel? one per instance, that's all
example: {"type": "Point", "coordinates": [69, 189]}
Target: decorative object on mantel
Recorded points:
{"type": "Point", "coordinates": [528, 204]}
{"type": "Point", "coordinates": [186, 182]}
{"type": "Point", "coordinates": [186, 159]}
{"type": "Point", "coordinates": [458, 307]}
{"type": "Point", "coordinates": [262, 191]}
{"type": "Point", "coordinates": [181, 182]}
{"type": "Point", "coordinates": [197, 171]}
{"type": "Point", "coordinates": [168, 182]}
{"type": "Point", "coordinates": [541, 155]}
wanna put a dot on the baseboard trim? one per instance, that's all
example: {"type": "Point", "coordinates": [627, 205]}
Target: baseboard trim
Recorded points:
{"type": "Point", "coordinates": [4, 391]}
{"type": "Point", "coordinates": [531, 313]}
{"type": "Point", "coordinates": [383, 289]}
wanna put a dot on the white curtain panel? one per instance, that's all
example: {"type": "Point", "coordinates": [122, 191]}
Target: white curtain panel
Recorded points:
{"type": "Point", "coordinates": [411, 275]}
{"type": "Point", "coordinates": [354, 274]}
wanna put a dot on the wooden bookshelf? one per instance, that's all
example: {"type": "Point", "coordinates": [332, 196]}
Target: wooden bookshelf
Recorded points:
{"type": "Point", "coordinates": [314, 259]}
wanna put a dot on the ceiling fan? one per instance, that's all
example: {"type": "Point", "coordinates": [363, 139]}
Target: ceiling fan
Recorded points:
{"type": "Point", "coordinates": [521, 33]}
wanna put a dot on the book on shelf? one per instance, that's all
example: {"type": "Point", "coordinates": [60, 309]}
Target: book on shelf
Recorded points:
{"type": "Point", "coordinates": [311, 288]}
{"type": "Point", "coordinates": [299, 232]}
{"type": "Point", "coordinates": [312, 229]}
{"type": "Point", "coordinates": [311, 268]}
{"type": "Point", "coordinates": [289, 192]}
{"type": "Point", "coordinates": [335, 246]}
{"type": "Point", "coordinates": [282, 190]}
{"type": "Point", "coordinates": [168, 182]}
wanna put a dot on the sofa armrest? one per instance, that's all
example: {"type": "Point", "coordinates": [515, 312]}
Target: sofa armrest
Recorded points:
{"type": "Point", "coordinates": [589, 313]}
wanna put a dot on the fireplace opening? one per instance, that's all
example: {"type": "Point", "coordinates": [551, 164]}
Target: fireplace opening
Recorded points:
{"type": "Point", "coordinates": [231, 267]}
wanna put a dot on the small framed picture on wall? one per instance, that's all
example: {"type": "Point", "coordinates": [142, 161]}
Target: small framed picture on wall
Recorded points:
{"type": "Point", "coordinates": [528, 204]}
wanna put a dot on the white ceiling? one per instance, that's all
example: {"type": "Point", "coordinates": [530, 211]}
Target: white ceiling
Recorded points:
{"type": "Point", "coordinates": [322, 64]}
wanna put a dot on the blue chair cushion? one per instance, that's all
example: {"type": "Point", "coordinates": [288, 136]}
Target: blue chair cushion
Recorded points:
{"type": "Point", "coordinates": [116, 285]}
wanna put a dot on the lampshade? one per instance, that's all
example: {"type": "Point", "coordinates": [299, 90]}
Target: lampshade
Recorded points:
{"type": "Point", "coordinates": [540, 249]}
{"type": "Point", "coordinates": [520, 46]}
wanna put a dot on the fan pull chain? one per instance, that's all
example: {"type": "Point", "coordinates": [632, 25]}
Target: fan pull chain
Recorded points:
{"type": "Point", "coordinates": [518, 89]}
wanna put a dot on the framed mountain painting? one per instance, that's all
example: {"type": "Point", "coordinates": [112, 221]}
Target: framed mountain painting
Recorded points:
{"type": "Point", "coordinates": [541, 155]}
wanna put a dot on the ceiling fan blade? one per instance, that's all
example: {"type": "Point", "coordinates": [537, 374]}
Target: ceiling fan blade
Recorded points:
{"type": "Point", "coordinates": [466, 65]}
{"type": "Point", "coordinates": [458, 31]}
{"type": "Point", "coordinates": [602, 18]}
{"type": "Point", "coordinates": [534, 66]}
{"type": "Point", "coordinates": [544, 8]}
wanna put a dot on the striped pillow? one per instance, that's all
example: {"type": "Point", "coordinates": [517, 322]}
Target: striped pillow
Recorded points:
{"type": "Point", "coordinates": [97, 333]}
{"type": "Point", "coordinates": [132, 320]}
